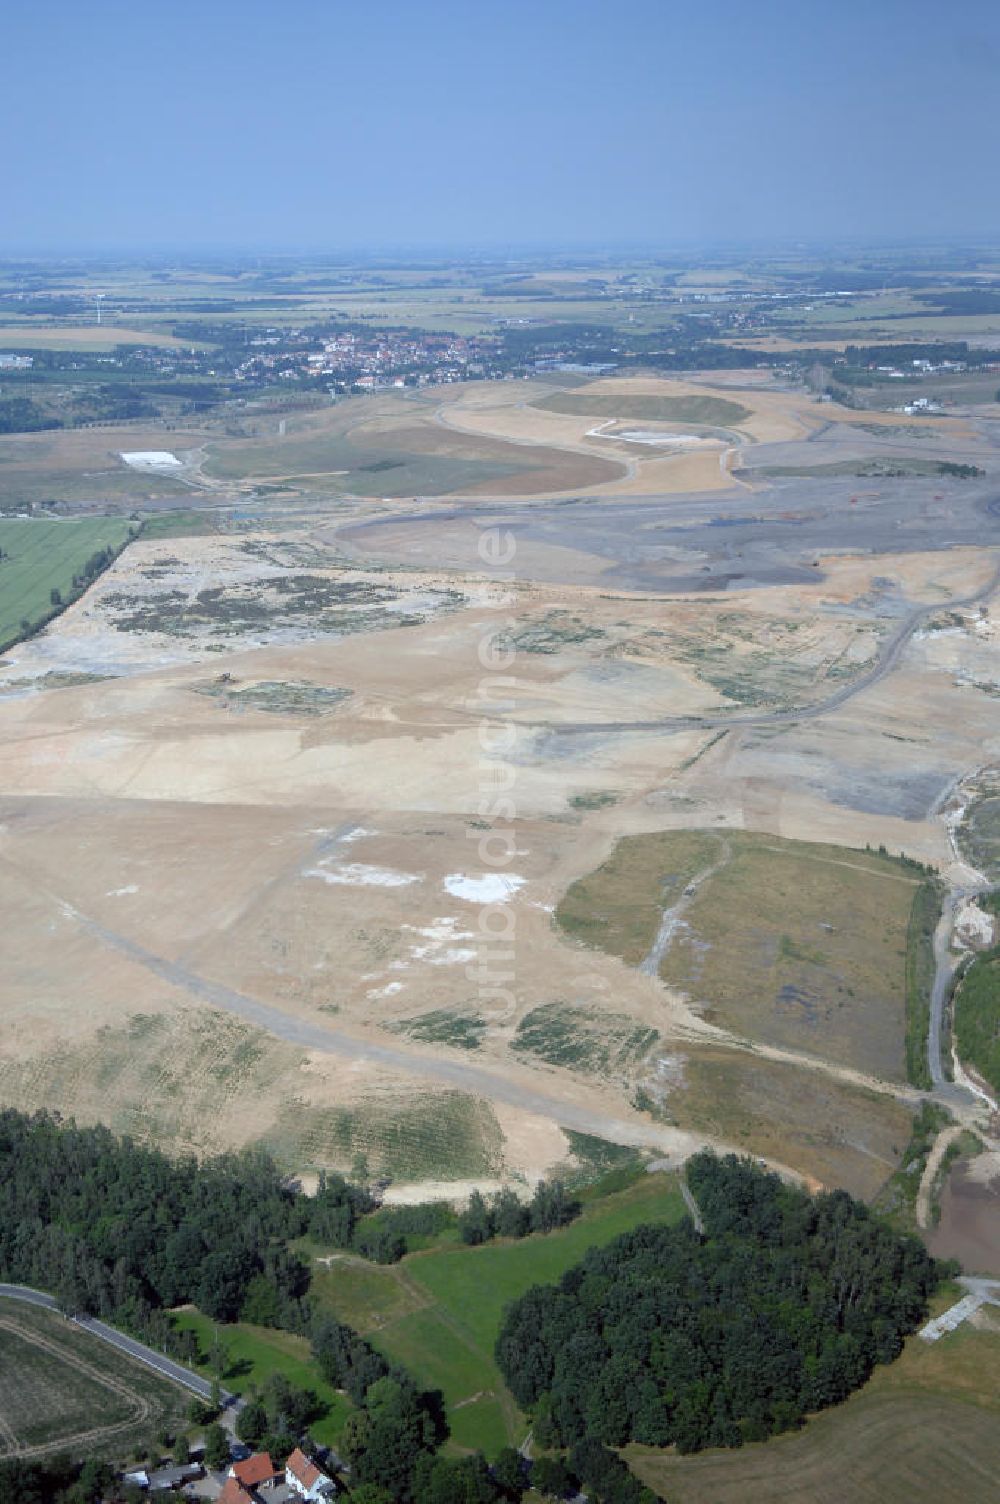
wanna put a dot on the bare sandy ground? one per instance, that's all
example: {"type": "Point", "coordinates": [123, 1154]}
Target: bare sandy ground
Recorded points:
{"type": "Point", "coordinates": [163, 849]}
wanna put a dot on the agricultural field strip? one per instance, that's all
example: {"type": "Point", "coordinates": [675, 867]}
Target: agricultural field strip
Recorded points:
{"type": "Point", "coordinates": [139, 1405]}
{"type": "Point", "coordinates": [44, 556]}
{"type": "Point", "coordinates": [165, 1367]}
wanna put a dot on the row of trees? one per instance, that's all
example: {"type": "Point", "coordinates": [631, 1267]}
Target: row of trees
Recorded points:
{"type": "Point", "coordinates": [276, 1416]}
{"type": "Point", "coordinates": [977, 1016]}
{"type": "Point", "coordinates": [668, 1337]}
{"type": "Point", "coordinates": [504, 1215]}
{"type": "Point", "coordinates": [62, 1480]}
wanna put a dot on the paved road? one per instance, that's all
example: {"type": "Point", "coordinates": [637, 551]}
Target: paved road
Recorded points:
{"type": "Point", "coordinates": [888, 659]}
{"type": "Point", "coordinates": [162, 1365]}
{"type": "Point", "coordinates": [948, 1092]}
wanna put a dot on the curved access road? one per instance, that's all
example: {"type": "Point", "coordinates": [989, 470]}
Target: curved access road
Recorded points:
{"type": "Point", "coordinates": [887, 660]}
{"type": "Point", "coordinates": [147, 1356]}
{"type": "Point", "coordinates": [944, 970]}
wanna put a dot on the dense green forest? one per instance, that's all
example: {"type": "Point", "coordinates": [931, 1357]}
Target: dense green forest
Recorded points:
{"type": "Point", "coordinates": [118, 1229]}
{"type": "Point", "coordinates": [977, 1017]}
{"type": "Point", "coordinates": [392, 1438]}
{"type": "Point", "coordinates": [783, 1307]}
{"type": "Point", "coordinates": [21, 415]}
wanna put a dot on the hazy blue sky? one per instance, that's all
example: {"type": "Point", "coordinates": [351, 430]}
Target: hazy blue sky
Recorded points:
{"type": "Point", "coordinates": [316, 123]}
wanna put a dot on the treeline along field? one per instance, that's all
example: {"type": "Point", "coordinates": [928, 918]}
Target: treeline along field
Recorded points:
{"type": "Point", "coordinates": [977, 1017]}
{"type": "Point", "coordinates": [46, 564]}
{"type": "Point", "coordinates": [783, 1307]}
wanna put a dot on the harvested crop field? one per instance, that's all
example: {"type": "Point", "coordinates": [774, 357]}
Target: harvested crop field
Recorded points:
{"type": "Point", "coordinates": [923, 1430]}
{"type": "Point", "coordinates": [85, 337]}
{"type": "Point", "coordinates": [62, 1390]}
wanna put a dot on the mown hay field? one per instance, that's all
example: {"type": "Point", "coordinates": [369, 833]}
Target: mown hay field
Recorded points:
{"type": "Point", "coordinates": [924, 1430]}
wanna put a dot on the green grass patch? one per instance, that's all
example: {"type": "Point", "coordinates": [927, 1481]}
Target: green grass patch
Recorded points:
{"type": "Point", "coordinates": [276, 696]}
{"type": "Point", "coordinates": [438, 1312]}
{"type": "Point", "coordinates": [925, 912]}
{"type": "Point", "coordinates": [877, 468]}
{"type": "Point", "coordinates": [365, 1296]}
{"type": "Point", "coordinates": [253, 1353]}
{"type": "Point", "coordinates": [183, 523]}
{"type": "Point", "coordinates": [462, 1031]}
{"type": "Point", "coordinates": [38, 561]}
{"type": "Point", "coordinates": [716, 412]}
{"type": "Point", "coordinates": [54, 679]}
{"type": "Point", "coordinates": [597, 799]}
{"type": "Point", "coordinates": [554, 632]}
{"type": "Point", "coordinates": [474, 1285]}
{"type": "Point", "coordinates": [602, 1166]}
{"type": "Point", "coordinates": [977, 1017]}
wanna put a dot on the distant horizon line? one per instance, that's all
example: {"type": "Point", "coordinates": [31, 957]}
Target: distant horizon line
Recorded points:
{"type": "Point", "coordinates": [445, 251]}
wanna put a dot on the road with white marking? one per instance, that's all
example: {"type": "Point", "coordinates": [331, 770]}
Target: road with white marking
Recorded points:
{"type": "Point", "coordinates": [148, 1356]}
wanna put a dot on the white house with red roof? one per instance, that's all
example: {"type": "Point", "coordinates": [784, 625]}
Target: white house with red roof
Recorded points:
{"type": "Point", "coordinates": [256, 1472]}
{"type": "Point", "coordinates": [307, 1480]}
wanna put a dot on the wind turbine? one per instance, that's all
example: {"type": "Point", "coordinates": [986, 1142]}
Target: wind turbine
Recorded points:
{"type": "Point", "coordinates": [98, 297]}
